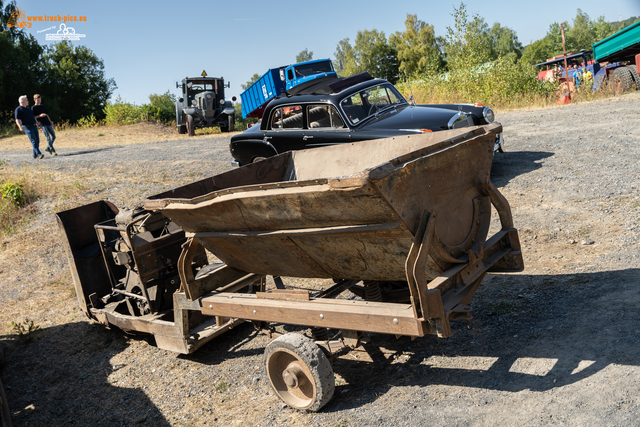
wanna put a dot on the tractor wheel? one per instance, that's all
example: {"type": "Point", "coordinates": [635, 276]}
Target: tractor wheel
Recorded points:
{"type": "Point", "coordinates": [634, 73]}
{"type": "Point", "coordinates": [299, 372]}
{"type": "Point", "coordinates": [190, 127]}
{"type": "Point", "coordinates": [622, 80]}
{"type": "Point", "coordinates": [232, 123]}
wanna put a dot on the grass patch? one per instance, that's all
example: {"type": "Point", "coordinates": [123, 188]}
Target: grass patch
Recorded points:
{"type": "Point", "coordinates": [20, 187]}
{"type": "Point", "coordinates": [25, 330]}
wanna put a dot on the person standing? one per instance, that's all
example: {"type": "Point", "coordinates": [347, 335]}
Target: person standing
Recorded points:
{"type": "Point", "coordinates": [42, 117]}
{"type": "Point", "coordinates": [26, 122]}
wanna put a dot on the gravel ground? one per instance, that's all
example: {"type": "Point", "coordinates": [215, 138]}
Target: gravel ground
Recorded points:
{"type": "Point", "coordinates": [553, 345]}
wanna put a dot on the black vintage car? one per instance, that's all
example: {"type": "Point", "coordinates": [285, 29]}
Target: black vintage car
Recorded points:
{"type": "Point", "coordinates": [329, 111]}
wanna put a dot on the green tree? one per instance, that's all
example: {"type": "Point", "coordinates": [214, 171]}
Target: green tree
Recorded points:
{"type": "Point", "coordinates": [371, 53]}
{"type": "Point", "coordinates": [504, 41]}
{"type": "Point", "coordinates": [468, 43]}
{"type": "Point", "coordinates": [304, 56]}
{"type": "Point", "coordinates": [251, 81]}
{"type": "Point", "coordinates": [74, 83]}
{"type": "Point", "coordinates": [19, 54]}
{"type": "Point", "coordinates": [417, 46]}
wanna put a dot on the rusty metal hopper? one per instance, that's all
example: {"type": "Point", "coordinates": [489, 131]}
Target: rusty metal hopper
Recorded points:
{"type": "Point", "coordinates": [350, 211]}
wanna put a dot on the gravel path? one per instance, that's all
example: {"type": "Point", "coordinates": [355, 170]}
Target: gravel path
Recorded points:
{"type": "Point", "coordinates": [554, 345]}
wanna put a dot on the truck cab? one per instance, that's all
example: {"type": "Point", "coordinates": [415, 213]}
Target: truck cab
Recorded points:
{"type": "Point", "coordinates": [202, 104]}
{"type": "Point", "coordinates": [305, 71]}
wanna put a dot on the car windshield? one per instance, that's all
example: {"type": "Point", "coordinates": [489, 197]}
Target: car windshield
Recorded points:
{"type": "Point", "coordinates": [370, 101]}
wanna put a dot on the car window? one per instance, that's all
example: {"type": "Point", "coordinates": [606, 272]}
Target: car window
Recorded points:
{"type": "Point", "coordinates": [324, 116]}
{"type": "Point", "coordinates": [369, 101]}
{"type": "Point", "coordinates": [289, 117]}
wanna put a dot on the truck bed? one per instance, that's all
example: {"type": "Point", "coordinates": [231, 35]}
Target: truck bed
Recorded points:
{"type": "Point", "coordinates": [621, 46]}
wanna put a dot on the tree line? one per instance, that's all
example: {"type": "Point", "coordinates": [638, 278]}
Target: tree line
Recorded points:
{"type": "Point", "coordinates": [417, 52]}
{"type": "Point", "coordinates": [70, 79]}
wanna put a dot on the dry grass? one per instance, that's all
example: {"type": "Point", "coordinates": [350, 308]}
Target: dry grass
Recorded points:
{"type": "Point", "coordinates": [105, 136]}
{"type": "Point", "coordinates": [516, 102]}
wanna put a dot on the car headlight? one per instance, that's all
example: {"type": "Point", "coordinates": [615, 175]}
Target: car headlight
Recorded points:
{"type": "Point", "coordinates": [488, 115]}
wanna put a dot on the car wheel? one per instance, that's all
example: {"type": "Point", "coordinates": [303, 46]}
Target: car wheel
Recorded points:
{"type": "Point", "coordinates": [190, 127]}
{"type": "Point", "coordinates": [622, 80]}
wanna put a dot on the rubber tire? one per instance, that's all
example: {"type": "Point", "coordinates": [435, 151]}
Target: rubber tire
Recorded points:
{"type": "Point", "coordinates": [232, 123]}
{"type": "Point", "coordinates": [182, 129]}
{"type": "Point", "coordinates": [634, 73]}
{"type": "Point", "coordinates": [298, 350]}
{"type": "Point", "coordinates": [190, 127]}
{"type": "Point", "coordinates": [622, 80]}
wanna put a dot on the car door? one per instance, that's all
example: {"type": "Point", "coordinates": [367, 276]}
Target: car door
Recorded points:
{"type": "Point", "coordinates": [325, 126]}
{"type": "Point", "coordinates": [285, 130]}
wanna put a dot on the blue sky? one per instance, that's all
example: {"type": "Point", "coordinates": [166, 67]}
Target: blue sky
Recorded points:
{"type": "Point", "coordinates": [148, 46]}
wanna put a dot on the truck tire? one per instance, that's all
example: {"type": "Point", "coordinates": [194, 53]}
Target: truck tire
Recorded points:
{"type": "Point", "coordinates": [634, 73]}
{"type": "Point", "coordinates": [622, 80]}
{"type": "Point", "coordinates": [182, 129]}
{"type": "Point", "coordinates": [190, 127]}
{"type": "Point", "coordinates": [232, 123]}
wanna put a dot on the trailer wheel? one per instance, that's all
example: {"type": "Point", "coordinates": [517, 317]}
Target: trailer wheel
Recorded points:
{"type": "Point", "coordinates": [191, 130]}
{"type": "Point", "coordinates": [634, 73]}
{"type": "Point", "coordinates": [622, 80]}
{"type": "Point", "coordinates": [299, 372]}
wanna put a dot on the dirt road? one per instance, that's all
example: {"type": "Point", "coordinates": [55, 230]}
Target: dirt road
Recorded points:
{"type": "Point", "coordinates": [554, 345]}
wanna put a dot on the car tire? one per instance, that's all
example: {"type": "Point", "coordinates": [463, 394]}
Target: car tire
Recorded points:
{"type": "Point", "coordinates": [190, 127]}
{"type": "Point", "coordinates": [634, 73]}
{"type": "Point", "coordinates": [622, 80]}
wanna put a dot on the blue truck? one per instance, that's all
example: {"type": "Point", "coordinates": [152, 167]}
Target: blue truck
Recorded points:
{"type": "Point", "coordinates": [278, 80]}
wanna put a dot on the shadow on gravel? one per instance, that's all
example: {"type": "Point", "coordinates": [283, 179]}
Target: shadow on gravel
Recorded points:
{"type": "Point", "coordinates": [60, 378]}
{"type": "Point", "coordinates": [510, 164]}
{"type": "Point", "coordinates": [97, 150]}
{"type": "Point", "coordinates": [529, 332]}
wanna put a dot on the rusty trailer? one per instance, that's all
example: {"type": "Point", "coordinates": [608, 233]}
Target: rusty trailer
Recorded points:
{"type": "Point", "coordinates": [402, 223]}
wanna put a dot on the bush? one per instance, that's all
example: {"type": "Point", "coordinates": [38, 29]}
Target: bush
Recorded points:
{"type": "Point", "coordinates": [13, 192]}
{"type": "Point", "coordinates": [241, 124]}
{"type": "Point", "coordinates": [88, 122]}
{"type": "Point", "coordinates": [504, 83]}
{"type": "Point", "coordinates": [161, 109]}
{"type": "Point", "coordinates": [122, 113]}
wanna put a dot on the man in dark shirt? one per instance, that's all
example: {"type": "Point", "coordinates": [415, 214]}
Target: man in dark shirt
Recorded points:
{"type": "Point", "coordinates": [27, 123]}
{"type": "Point", "coordinates": [42, 117]}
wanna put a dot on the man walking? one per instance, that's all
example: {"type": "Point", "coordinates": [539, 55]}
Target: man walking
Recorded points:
{"type": "Point", "coordinates": [42, 117]}
{"type": "Point", "coordinates": [27, 123]}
